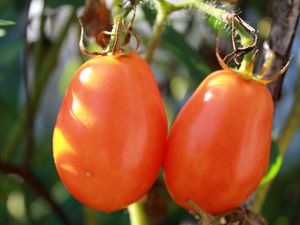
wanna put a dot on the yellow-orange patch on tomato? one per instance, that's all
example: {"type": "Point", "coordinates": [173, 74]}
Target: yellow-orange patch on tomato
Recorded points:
{"type": "Point", "coordinates": [60, 144]}
{"type": "Point", "coordinates": [80, 112]}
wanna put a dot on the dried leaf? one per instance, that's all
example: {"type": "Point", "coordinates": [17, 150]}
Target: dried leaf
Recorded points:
{"type": "Point", "coordinates": [242, 216]}
{"type": "Point", "coordinates": [95, 19]}
{"type": "Point", "coordinates": [254, 219]}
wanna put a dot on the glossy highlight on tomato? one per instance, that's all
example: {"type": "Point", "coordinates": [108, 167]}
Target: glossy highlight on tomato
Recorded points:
{"type": "Point", "coordinates": [111, 131]}
{"type": "Point", "coordinates": [219, 145]}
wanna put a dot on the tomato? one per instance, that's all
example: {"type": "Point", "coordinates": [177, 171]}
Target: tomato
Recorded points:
{"type": "Point", "coordinates": [219, 145]}
{"type": "Point", "coordinates": [111, 131]}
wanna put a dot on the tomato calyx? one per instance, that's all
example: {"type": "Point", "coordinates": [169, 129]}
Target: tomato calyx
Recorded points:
{"type": "Point", "coordinates": [120, 36]}
{"type": "Point", "coordinates": [245, 69]}
{"type": "Point", "coordinates": [247, 72]}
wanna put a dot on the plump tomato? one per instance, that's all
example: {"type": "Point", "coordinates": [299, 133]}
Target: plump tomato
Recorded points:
{"type": "Point", "coordinates": [110, 133]}
{"type": "Point", "coordinates": [219, 145]}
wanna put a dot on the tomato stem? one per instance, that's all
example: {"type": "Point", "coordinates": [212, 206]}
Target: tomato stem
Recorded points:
{"type": "Point", "coordinates": [246, 59]}
{"type": "Point", "coordinates": [117, 35]}
{"type": "Point", "coordinates": [137, 214]}
{"type": "Point", "coordinates": [162, 15]}
{"type": "Point", "coordinates": [165, 8]}
{"type": "Point", "coordinates": [122, 31]}
{"type": "Point", "coordinates": [120, 34]}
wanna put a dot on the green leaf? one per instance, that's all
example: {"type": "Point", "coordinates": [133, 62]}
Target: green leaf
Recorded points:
{"type": "Point", "coordinates": [6, 23]}
{"type": "Point", "coordinates": [275, 164]}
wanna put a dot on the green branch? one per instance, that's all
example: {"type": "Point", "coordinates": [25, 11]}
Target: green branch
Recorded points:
{"type": "Point", "coordinates": [164, 9]}
{"type": "Point", "coordinates": [162, 16]}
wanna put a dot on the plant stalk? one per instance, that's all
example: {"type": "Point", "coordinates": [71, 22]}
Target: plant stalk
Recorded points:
{"type": "Point", "coordinates": [137, 214]}
{"type": "Point", "coordinates": [164, 9]}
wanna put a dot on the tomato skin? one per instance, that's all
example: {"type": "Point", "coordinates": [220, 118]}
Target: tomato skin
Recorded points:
{"type": "Point", "coordinates": [111, 131]}
{"type": "Point", "coordinates": [219, 145]}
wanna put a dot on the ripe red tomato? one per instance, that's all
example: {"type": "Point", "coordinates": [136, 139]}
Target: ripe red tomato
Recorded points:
{"type": "Point", "coordinates": [219, 145]}
{"type": "Point", "coordinates": [111, 131]}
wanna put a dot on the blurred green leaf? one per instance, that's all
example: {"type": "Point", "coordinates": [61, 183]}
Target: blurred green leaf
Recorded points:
{"type": "Point", "coordinates": [179, 87]}
{"type": "Point", "coordinates": [91, 217]}
{"type": "Point", "coordinates": [169, 107]}
{"type": "Point", "coordinates": [2, 32]}
{"type": "Point", "coordinates": [176, 44]}
{"type": "Point", "coordinates": [9, 183]}
{"type": "Point", "coordinates": [69, 70]}
{"type": "Point", "coordinates": [275, 164]}
{"type": "Point", "coordinates": [16, 205]}
{"type": "Point", "coordinates": [6, 23]}
{"type": "Point", "coordinates": [39, 208]}
{"type": "Point", "coordinates": [120, 217]}
{"type": "Point", "coordinates": [11, 51]}
{"type": "Point", "coordinates": [56, 3]}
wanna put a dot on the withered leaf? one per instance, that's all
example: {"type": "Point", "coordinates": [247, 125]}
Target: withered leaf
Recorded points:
{"type": "Point", "coordinates": [95, 19]}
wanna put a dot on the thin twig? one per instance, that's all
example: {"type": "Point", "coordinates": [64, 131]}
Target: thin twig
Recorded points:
{"type": "Point", "coordinates": [36, 185]}
{"type": "Point", "coordinates": [29, 124]}
{"type": "Point", "coordinates": [26, 123]}
{"type": "Point", "coordinates": [45, 72]}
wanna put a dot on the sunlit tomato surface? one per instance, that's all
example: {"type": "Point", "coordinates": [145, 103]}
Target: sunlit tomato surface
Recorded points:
{"type": "Point", "coordinates": [110, 133]}
{"type": "Point", "coordinates": [219, 145]}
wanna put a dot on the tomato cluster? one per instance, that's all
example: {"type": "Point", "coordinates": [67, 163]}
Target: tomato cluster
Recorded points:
{"type": "Point", "coordinates": [110, 138]}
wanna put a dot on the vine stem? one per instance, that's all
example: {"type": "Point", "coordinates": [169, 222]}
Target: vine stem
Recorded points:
{"type": "Point", "coordinates": [165, 8]}
{"type": "Point", "coordinates": [36, 184]}
{"type": "Point", "coordinates": [285, 21]}
{"type": "Point", "coordinates": [137, 214]}
{"type": "Point", "coordinates": [159, 24]}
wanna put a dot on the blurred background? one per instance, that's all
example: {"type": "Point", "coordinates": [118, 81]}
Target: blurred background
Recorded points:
{"type": "Point", "coordinates": [39, 53]}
